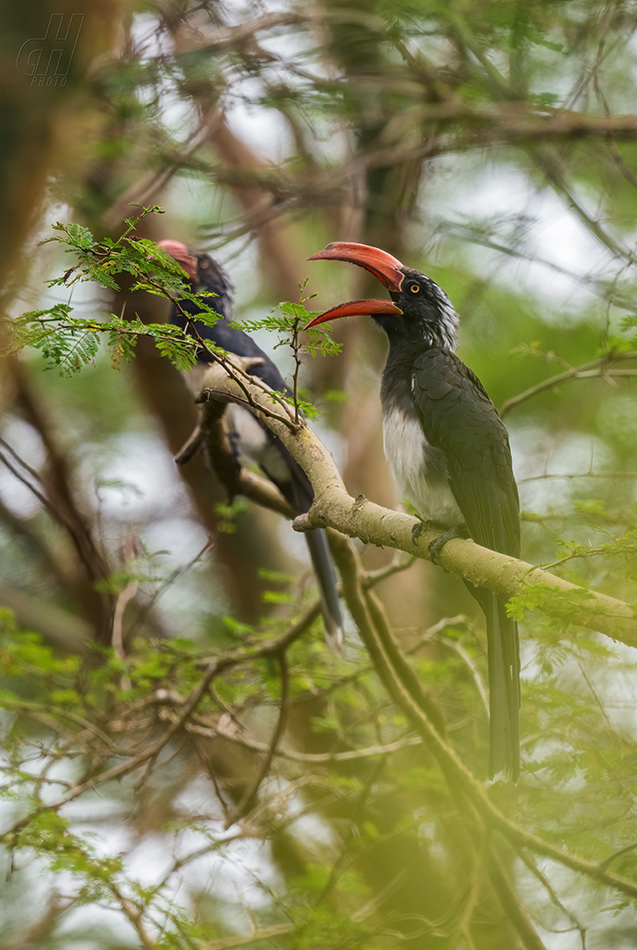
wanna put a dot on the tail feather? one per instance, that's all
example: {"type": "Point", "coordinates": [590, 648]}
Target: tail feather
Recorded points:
{"type": "Point", "coordinates": [504, 685]}
{"type": "Point", "coordinates": [324, 570]}
{"type": "Point", "coordinates": [300, 494]}
{"type": "Point", "coordinates": [504, 690]}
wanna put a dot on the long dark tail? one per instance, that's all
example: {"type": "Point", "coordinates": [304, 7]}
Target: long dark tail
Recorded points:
{"type": "Point", "coordinates": [504, 691]}
{"type": "Point", "coordinates": [324, 570]}
{"type": "Point", "coordinates": [504, 685]}
{"type": "Point", "coordinates": [298, 491]}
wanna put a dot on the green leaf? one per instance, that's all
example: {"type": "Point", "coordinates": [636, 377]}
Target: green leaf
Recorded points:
{"type": "Point", "coordinates": [276, 597]}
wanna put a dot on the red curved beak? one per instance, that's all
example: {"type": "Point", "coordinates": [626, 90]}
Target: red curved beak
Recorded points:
{"type": "Point", "coordinates": [355, 307]}
{"type": "Point", "coordinates": [384, 266]}
{"type": "Point", "coordinates": [388, 269]}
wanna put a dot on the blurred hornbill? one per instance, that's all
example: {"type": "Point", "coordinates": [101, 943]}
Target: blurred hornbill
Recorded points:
{"type": "Point", "coordinates": [449, 452]}
{"type": "Point", "coordinates": [248, 437]}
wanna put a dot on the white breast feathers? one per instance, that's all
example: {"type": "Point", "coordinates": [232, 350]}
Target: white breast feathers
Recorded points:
{"type": "Point", "coordinates": [419, 469]}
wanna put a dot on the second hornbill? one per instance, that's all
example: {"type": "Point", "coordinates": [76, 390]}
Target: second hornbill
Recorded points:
{"type": "Point", "coordinates": [247, 436]}
{"type": "Point", "coordinates": [449, 453]}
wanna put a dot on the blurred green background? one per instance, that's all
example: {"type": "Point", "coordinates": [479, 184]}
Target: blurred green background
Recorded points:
{"type": "Point", "coordinates": [491, 145]}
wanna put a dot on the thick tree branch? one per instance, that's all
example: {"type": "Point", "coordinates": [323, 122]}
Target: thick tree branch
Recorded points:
{"type": "Point", "coordinates": [373, 524]}
{"type": "Point", "coordinates": [360, 518]}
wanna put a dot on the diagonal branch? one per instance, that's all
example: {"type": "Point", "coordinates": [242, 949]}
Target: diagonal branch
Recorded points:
{"type": "Point", "coordinates": [360, 518]}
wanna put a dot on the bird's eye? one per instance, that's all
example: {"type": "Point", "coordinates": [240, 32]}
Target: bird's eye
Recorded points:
{"type": "Point", "coordinates": [414, 288]}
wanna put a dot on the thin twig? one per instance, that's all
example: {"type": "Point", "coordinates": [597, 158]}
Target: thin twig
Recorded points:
{"type": "Point", "coordinates": [595, 368]}
{"type": "Point", "coordinates": [511, 905]}
{"type": "Point", "coordinates": [121, 602]}
{"type": "Point", "coordinates": [553, 895]}
{"type": "Point", "coordinates": [249, 799]}
{"type": "Point", "coordinates": [309, 758]}
{"type": "Point", "coordinates": [575, 475]}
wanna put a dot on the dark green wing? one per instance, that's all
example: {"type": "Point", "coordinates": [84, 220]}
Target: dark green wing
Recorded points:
{"type": "Point", "coordinates": [458, 417]}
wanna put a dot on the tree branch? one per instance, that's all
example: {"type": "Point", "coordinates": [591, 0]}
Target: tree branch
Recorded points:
{"type": "Point", "coordinates": [249, 799]}
{"type": "Point", "coordinates": [599, 367]}
{"type": "Point", "coordinates": [360, 518]}
{"type": "Point", "coordinates": [210, 436]}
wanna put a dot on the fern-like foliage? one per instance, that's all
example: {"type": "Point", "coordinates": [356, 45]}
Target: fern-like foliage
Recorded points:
{"type": "Point", "coordinates": [69, 342]}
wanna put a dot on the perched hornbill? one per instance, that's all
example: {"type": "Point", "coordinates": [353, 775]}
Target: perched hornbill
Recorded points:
{"type": "Point", "coordinates": [448, 450]}
{"type": "Point", "coordinates": [248, 437]}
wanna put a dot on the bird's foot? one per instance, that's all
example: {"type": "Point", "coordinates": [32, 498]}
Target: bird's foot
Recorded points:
{"type": "Point", "coordinates": [416, 531]}
{"type": "Point", "coordinates": [436, 546]}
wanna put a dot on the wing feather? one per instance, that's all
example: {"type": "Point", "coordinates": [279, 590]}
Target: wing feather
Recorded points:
{"type": "Point", "coordinates": [458, 417]}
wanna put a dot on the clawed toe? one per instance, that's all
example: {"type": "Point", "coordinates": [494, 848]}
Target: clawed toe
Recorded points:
{"type": "Point", "coordinates": [416, 531]}
{"type": "Point", "coordinates": [436, 546]}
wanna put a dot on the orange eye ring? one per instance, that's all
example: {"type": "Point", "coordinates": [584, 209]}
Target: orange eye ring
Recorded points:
{"type": "Point", "coordinates": [414, 288]}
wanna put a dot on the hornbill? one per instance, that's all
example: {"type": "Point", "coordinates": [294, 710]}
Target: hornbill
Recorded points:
{"type": "Point", "coordinates": [449, 453]}
{"type": "Point", "coordinates": [248, 437]}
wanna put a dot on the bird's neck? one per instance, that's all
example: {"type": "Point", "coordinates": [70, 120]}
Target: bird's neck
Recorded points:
{"type": "Point", "coordinates": [441, 332]}
{"type": "Point", "coordinates": [395, 389]}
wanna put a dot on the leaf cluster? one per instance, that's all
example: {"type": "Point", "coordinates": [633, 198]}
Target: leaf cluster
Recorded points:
{"type": "Point", "coordinates": [70, 342]}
